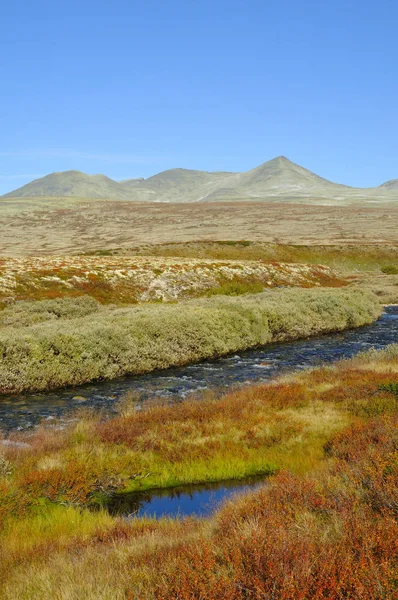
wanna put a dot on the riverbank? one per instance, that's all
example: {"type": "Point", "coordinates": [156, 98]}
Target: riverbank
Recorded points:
{"type": "Point", "coordinates": [105, 343]}
{"type": "Point", "coordinates": [256, 365]}
{"type": "Point", "coordinates": [333, 428]}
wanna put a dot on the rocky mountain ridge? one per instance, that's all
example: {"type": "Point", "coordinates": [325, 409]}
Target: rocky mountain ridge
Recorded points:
{"type": "Point", "coordinates": [278, 179]}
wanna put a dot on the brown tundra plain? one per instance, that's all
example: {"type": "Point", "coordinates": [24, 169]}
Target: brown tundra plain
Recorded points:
{"type": "Point", "coordinates": [90, 305]}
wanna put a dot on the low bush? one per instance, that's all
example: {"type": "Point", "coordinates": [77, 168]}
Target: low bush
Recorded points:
{"type": "Point", "coordinates": [325, 537]}
{"type": "Point", "coordinates": [390, 270]}
{"type": "Point", "coordinates": [25, 313]}
{"type": "Point", "coordinates": [5, 466]}
{"type": "Point", "coordinates": [236, 288]}
{"type": "Point", "coordinates": [243, 243]}
{"type": "Point", "coordinates": [371, 407]}
{"type": "Point", "coordinates": [390, 387]}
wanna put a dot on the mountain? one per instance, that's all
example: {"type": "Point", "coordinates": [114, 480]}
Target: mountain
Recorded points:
{"type": "Point", "coordinates": [174, 185]}
{"type": "Point", "coordinates": [132, 181]}
{"type": "Point", "coordinates": [177, 185]}
{"type": "Point", "coordinates": [71, 184]}
{"type": "Point", "coordinates": [278, 179]}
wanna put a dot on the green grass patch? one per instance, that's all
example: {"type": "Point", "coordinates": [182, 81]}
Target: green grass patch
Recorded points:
{"type": "Point", "coordinates": [391, 387]}
{"type": "Point", "coordinates": [347, 258]}
{"type": "Point", "coordinates": [236, 288]}
{"type": "Point", "coordinates": [390, 270]}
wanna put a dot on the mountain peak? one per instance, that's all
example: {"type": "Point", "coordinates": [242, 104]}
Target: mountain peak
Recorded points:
{"type": "Point", "coordinates": [281, 159]}
{"type": "Point", "coordinates": [281, 162]}
{"type": "Point", "coordinates": [71, 172]}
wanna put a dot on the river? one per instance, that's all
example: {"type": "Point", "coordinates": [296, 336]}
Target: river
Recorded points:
{"type": "Point", "coordinates": [249, 367]}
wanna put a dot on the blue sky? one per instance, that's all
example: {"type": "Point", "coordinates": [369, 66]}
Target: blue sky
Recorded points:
{"type": "Point", "coordinates": [131, 88]}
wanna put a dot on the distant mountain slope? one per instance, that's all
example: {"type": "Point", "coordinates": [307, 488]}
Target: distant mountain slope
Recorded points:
{"type": "Point", "coordinates": [278, 179]}
{"type": "Point", "coordinates": [71, 184]}
{"type": "Point", "coordinates": [179, 185]}
{"type": "Point", "coordinates": [390, 185]}
{"type": "Point", "coordinates": [282, 173]}
{"type": "Point", "coordinates": [132, 181]}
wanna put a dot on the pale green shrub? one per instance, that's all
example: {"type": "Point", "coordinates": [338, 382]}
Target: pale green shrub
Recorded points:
{"type": "Point", "coordinates": [25, 313]}
{"type": "Point", "coordinates": [390, 270]}
{"type": "Point", "coordinates": [371, 355]}
{"type": "Point", "coordinates": [135, 340]}
{"type": "Point", "coordinates": [5, 466]}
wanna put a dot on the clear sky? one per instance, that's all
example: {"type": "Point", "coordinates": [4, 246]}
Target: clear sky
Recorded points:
{"type": "Point", "coordinates": [130, 88]}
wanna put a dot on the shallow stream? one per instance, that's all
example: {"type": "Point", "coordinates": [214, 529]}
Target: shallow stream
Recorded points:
{"type": "Point", "coordinates": [248, 367]}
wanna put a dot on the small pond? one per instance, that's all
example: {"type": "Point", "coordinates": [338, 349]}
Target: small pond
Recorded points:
{"type": "Point", "coordinates": [183, 501]}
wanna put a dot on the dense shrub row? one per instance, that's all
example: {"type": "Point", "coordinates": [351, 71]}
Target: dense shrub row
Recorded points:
{"type": "Point", "coordinates": [110, 343]}
{"type": "Point", "coordinates": [25, 313]}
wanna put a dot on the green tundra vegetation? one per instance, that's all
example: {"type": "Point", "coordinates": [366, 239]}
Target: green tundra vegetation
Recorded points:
{"type": "Point", "coordinates": [390, 269]}
{"type": "Point", "coordinates": [326, 440]}
{"type": "Point", "coordinates": [367, 266]}
{"type": "Point", "coordinates": [323, 527]}
{"type": "Point", "coordinates": [343, 257]}
{"type": "Point", "coordinates": [26, 313]}
{"type": "Point", "coordinates": [49, 344]}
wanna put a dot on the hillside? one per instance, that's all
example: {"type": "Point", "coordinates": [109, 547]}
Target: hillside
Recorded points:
{"type": "Point", "coordinates": [390, 185]}
{"type": "Point", "coordinates": [175, 185]}
{"type": "Point", "coordinates": [71, 184]}
{"type": "Point", "coordinates": [278, 179]}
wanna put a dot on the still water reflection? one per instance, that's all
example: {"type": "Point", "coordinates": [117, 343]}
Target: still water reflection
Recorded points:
{"type": "Point", "coordinates": [187, 500]}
